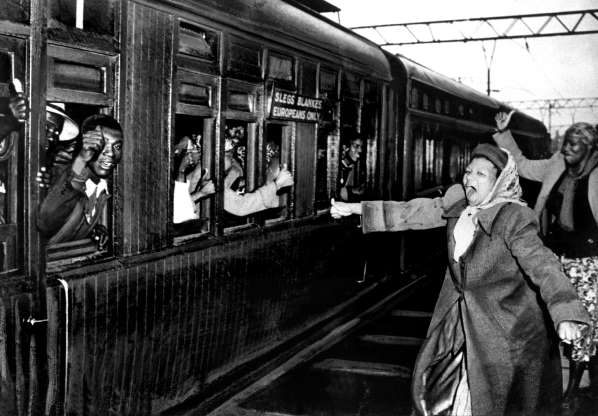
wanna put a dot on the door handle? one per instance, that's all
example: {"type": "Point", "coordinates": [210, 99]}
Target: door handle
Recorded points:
{"type": "Point", "coordinates": [32, 321]}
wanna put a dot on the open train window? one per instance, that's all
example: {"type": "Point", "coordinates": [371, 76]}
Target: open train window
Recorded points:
{"type": "Point", "coordinates": [276, 154]}
{"type": "Point", "coordinates": [59, 156]}
{"type": "Point", "coordinates": [193, 186]}
{"type": "Point", "coordinates": [192, 144]}
{"type": "Point", "coordinates": [96, 16]}
{"type": "Point", "coordinates": [326, 152]}
{"type": "Point", "coordinates": [239, 167]}
{"type": "Point", "coordinates": [12, 150]}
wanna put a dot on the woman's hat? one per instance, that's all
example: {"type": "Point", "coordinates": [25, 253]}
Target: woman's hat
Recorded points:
{"type": "Point", "coordinates": [70, 129]}
{"type": "Point", "coordinates": [492, 153]}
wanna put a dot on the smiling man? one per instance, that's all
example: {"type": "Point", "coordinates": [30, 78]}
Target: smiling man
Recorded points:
{"type": "Point", "coordinates": [74, 204]}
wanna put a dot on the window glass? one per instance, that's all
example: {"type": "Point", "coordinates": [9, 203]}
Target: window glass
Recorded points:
{"type": "Point", "coordinates": [280, 67]}
{"type": "Point", "coordinates": [198, 42]}
{"type": "Point", "coordinates": [95, 16]}
{"type": "Point", "coordinates": [308, 79]}
{"type": "Point", "coordinates": [244, 60]}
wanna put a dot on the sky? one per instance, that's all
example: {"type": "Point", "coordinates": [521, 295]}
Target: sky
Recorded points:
{"type": "Point", "coordinates": [535, 68]}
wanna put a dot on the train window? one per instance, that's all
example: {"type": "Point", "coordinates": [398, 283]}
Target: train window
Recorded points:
{"type": "Point", "coordinates": [447, 106]}
{"type": "Point", "coordinates": [193, 186]}
{"type": "Point", "coordinates": [97, 16]}
{"type": "Point", "coordinates": [438, 161]}
{"type": "Point", "coordinates": [12, 146]}
{"type": "Point", "coordinates": [415, 98]}
{"type": "Point", "coordinates": [276, 154]}
{"type": "Point", "coordinates": [425, 102]}
{"type": "Point", "coordinates": [418, 157]}
{"type": "Point", "coordinates": [241, 101]}
{"type": "Point", "coordinates": [307, 79]}
{"type": "Point", "coordinates": [68, 241]}
{"type": "Point", "coordinates": [327, 132]}
{"type": "Point", "coordinates": [281, 67]}
{"type": "Point", "coordinates": [244, 60]}
{"type": "Point", "coordinates": [239, 167]}
{"type": "Point", "coordinates": [75, 75]}
{"type": "Point", "coordinates": [328, 84]}
{"type": "Point", "coordinates": [437, 105]}
{"type": "Point", "coordinates": [198, 42]}
{"type": "Point", "coordinates": [351, 86]}
{"type": "Point", "coordinates": [322, 198]}
{"type": "Point", "coordinates": [328, 92]}
{"type": "Point", "coordinates": [370, 93]}
{"type": "Point", "coordinates": [15, 11]}
{"type": "Point", "coordinates": [461, 110]}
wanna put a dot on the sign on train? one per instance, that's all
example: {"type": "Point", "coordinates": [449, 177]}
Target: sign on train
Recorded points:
{"type": "Point", "coordinates": [291, 106]}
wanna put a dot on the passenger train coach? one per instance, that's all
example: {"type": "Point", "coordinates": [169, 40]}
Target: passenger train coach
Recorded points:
{"type": "Point", "coordinates": [169, 316]}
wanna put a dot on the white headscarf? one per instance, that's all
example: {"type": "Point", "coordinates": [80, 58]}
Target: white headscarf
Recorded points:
{"type": "Point", "coordinates": [505, 189]}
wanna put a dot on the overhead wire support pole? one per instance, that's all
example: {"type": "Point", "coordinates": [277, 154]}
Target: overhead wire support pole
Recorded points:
{"type": "Point", "coordinates": [559, 27]}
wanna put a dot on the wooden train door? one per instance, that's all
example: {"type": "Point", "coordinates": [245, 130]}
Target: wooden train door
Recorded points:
{"type": "Point", "coordinates": [20, 378]}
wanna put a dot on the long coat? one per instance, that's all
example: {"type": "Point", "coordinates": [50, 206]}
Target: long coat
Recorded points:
{"type": "Point", "coordinates": [512, 359]}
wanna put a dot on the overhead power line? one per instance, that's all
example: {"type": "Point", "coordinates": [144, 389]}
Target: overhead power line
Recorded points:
{"type": "Point", "coordinates": [578, 22]}
{"type": "Point", "coordinates": [555, 103]}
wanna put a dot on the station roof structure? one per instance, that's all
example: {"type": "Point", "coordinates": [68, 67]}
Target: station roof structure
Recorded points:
{"type": "Point", "coordinates": [576, 22]}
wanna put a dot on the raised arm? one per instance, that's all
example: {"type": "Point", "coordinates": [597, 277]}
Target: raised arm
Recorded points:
{"type": "Point", "coordinates": [534, 170]}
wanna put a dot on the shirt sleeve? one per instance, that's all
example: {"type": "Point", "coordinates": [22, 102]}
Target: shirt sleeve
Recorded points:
{"type": "Point", "coordinates": [183, 208]}
{"type": "Point", "coordinates": [534, 170]}
{"type": "Point", "coordinates": [58, 204]}
{"type": "Point", "coordinates": [241, 205]}
{"type": "Point", "coordinates": [415, 214]}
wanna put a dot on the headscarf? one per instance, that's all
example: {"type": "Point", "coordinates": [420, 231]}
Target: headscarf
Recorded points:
{"type": "Point", "coordinates": [505, 189]}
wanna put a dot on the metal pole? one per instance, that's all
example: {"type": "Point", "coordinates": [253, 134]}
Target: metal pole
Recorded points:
{"type": "Point", "coordinates": [488, 81]}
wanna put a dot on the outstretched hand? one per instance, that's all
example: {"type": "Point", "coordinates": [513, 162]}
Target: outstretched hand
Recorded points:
{"type": "Point", "coordinates": [339, 209]}
{"type": "Point", "coordinates": [503, 119]}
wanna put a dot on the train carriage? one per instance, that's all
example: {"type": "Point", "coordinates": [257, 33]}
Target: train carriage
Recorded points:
{"type": "Point", "coordinates": [169, 314]}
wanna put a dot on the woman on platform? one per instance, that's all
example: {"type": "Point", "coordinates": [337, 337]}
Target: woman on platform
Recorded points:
{"type": "Point", "coordinates": [490, 349]}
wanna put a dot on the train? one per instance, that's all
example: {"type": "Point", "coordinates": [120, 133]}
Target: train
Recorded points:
{"type": "Point", "coordinates": [167, 316]}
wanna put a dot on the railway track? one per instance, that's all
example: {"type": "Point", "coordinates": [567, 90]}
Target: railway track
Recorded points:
{"type": "Point", "coordinates": [361, 368]}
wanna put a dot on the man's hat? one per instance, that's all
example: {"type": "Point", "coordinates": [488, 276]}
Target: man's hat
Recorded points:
{"type": "Point", "coordinates": [70, 130]}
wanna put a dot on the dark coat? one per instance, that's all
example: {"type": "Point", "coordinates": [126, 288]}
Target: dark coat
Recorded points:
{"type": "Point", "coordinates": [512, 356]}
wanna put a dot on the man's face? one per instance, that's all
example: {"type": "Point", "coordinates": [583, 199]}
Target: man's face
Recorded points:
{"type": "Point", "coordinates": [354, 151]}
{"type": "Point", "coordinates": [110, 155]}
{"type": "Point", "coordinates": [54, 125]}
